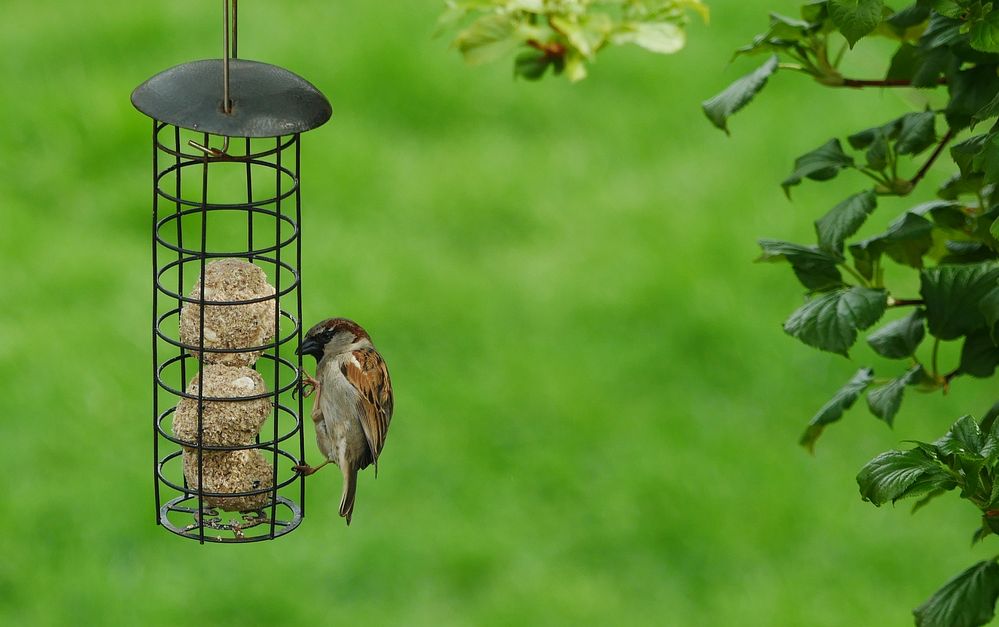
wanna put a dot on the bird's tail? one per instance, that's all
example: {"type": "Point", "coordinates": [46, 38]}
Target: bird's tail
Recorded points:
{"type": "Point", "coordinates": [349, 490]}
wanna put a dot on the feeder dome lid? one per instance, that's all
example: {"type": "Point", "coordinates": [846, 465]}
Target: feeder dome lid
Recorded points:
{"type": "Point", "coordinates": [267, 101]}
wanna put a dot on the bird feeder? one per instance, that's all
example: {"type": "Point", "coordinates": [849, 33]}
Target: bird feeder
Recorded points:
{"type": "Point", "coordinates": [227, 293]}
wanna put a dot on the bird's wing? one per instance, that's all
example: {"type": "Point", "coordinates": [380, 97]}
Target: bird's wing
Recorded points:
{"type": "Point", "coordinates": [367, 373]}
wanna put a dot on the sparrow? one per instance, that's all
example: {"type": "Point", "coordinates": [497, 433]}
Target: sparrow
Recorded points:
{"type": "Point", "coordinates": [353, 401]}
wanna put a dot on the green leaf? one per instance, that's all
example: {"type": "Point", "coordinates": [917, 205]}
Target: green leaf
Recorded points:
{"type": "Point", "coordinates": [985, 33]}
{"type": "Point", "coordinates": [906, 61]}
{"type": "Point", "coordinates": [918, 133]}
{"type": "Point", "coordinates": [990, 110]}
{"type": "Point", "coordinates": [989, 306]}
{"type": "Point", "coordinates": [487, 38]}
{"type": "Point", "coordinates": [885, 400]}
{"type": "Point", "coordinates": [661, 37]}
{"type": "Point", "coordinates": [908, 238]}
{"type": "Point", "coordinates": [944, 213]}
{"type": "Point", "coordinates": [967, 600]}
{"type": "Point", "coordinates": [964, 437]}
{"type": "Point", "coordinates": [821, 164]}
{"type": "Point", "coordinates": [830, 321]}
{"type": "Point", "coordinates": [912, 15]}
{"type": "Point", "coordinates": [987, 161]}
{"type": "Point", "coordinates": [856, 18]}
{"type": "Point", "coordinates": [970, 91]}
{"type": "Point", "coordinates": [844, 220]}
{"type": "Point", "coordinates": [979, 355]}
{"type": "Point", "coordinates": [843, 399]}
{"type": "Point", "coordinates": [816, 269]}
{"type": "Point", "coordinates": [531, 64]}
{"type": "Point", "coordinates": [738, 94]}
{"type": "Point", "coordinates": [865, 138]}
{"type": "Point", "coordinates": [901, 338]}
{"type": "Point", "coordinates": [897, 474]}
{"type": "Point", "coordinates": [964, 152]}
{"type": "Point", "coordinates": [952, 295]}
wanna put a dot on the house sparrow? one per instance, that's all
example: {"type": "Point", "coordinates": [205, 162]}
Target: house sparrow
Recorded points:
{"type": "Point", "coordinates": [353, 404]}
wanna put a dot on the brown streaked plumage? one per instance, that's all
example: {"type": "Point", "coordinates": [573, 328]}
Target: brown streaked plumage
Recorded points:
{"type": "Point", "coordinates": [353, 405]}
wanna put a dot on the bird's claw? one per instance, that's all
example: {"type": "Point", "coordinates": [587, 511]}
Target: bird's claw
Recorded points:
{"type": "Point", "coordinates": [307, 386]}
{"type": "Point", "coordinates": [304, 469]}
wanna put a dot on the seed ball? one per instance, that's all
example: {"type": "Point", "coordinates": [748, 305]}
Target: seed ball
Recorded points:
{"type": "Point", "coordinates": [231, 471]}
{"type": "Point", "coordinates": [230, 326]}
{"type": "Point", "coordinates": [223, 423]}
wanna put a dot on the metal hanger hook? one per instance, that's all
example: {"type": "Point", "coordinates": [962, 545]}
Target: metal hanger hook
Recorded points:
{"type": "Point", "coordinates": [218, 153]}
{"type": "Point", "coordinates": [228, 51]}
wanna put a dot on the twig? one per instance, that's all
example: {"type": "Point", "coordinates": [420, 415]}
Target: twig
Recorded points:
{"type": "Point", "coordinates": [857, 83]}
{"type": "Point", "coordinates": [905, 302]}
{"type": "Point", "coordinates": [929, 162]}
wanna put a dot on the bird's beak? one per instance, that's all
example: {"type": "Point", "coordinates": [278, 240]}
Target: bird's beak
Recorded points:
{"type": "Point", "coordinates": [309, 347]}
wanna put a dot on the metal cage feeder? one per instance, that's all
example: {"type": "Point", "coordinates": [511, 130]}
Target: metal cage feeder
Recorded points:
{"type": "Point", "coordinates": [227, 426]}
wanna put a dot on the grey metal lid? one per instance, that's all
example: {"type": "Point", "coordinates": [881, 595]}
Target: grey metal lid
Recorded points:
{"type": "Point", "coordinates": [267, 101]}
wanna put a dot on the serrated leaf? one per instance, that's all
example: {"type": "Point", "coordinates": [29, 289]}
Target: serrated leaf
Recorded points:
{"type": "Point", "coordinates": [963, 437]}
{"type": "Point", "coordinates": [885, 400]}
{"type": "Point", "coordinates": [893, 475]}
{"type": "Point", "coordinates": [738, 94]}
{"type": "Point", "coordinates": [901, 338]}
{"type": "Point", "coordinates": [816, 269]}
{"type": "Point", "coordinates": [979, 355]}
{"type": "Point", "coordinates": [967, 600]}
{"type": "Point", "coordinates": [821, 164]}
{"type": "Point", "coordinates": [952, 295]}
{"type": "Point", "coordinates": [984, 34]}
{"type": "Point", "coordinates": [830, 321]}
{"type": "Point", "coordinates": [843, 399]}
{"type": "Point", "coordinates": [918, 133]}
{"type": "Point", "coordinates": [856, 18]}
{"type": "Point", "coordinates": [844, 220]}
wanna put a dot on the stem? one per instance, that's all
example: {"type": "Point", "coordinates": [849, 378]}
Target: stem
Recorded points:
{"type": "Point", "coordinates": [905, 302]}
{"type": "Point", "coordinates": [874, 176]}
{"type": "Point", "coordinates": [857, 83]}
{"type": "Point", "coordinates": [933, 157]}
{"type": "Point", "coordinates": [933, 359]}
{"type": "Point", "coordinates": [553, 49]}
{"type": "Point", "coordinates": [794, 67]}
{"type": "Point", "coordinates": [863, 281]}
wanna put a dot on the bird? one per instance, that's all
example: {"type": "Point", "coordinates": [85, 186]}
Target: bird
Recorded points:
{"type": "Point", "coordinates": [353, 401]}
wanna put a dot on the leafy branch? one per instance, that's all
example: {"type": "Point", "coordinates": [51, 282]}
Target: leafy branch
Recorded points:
{"type": "Point", "coordinates": [564, 35]}
{"type": "Point", "coordinates": [951, 243]}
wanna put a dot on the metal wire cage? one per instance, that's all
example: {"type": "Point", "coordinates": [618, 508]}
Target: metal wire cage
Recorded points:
{"type": "Point", "coordinates": [239, 204]}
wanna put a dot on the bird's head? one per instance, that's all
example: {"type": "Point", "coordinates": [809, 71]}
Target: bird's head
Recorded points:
{"type": "Point", "coordinates": [332, 337]}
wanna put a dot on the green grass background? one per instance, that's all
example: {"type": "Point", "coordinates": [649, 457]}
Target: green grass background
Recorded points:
{"type": "Point", "coordinates": [596, 408]}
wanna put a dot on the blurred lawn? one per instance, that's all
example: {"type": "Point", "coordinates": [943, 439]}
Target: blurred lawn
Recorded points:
{"type": "Point", "coordinates": [596, 408]}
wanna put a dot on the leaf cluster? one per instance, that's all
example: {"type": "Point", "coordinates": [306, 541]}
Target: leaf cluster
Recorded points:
{"type": "Point", "coordinates": [948, 242]}
{"type": "Point", "coordinates": [564, 35]}
{"type": "Point", "coordinates": [966, 459]}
